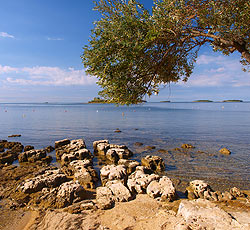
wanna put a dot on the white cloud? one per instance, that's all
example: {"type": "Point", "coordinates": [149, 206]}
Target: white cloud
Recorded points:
{"type": "Point", "coordinates": [44, 75]}
{"type": "Point", "coordinates": [213, 71]}
{"type": "Point", "coordinates": [6, 35]}
{"type": "Point", "coordinates": [54, 39]}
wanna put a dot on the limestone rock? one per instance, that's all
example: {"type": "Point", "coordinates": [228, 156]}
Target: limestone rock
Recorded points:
{"type": "Point", "coordinates": [80, 154]}
{"type": "Point", "coordinates": [203, 214]}
{"type": "Point", "coordinates": [235, 192]}
{"type": "Point", "coordinates": [154, 163]}
{"type": "Point", "coordinates": [164, 189]}
{"type": "Point", "coordinates": [187, 146]}
{"type": "Point", "coordinates": [83, 171]}
{"type": "Point", "coordinates": [129, 164]}
{"type": "Point", "coordinates": [139, 180]}
{"type": "Point", "coordinates": [101, 147]}
{"type": "Point", "coordinates": [104, 198]}
{"type": "Point", "coordinates": [28, 147]}
{"type": "Point", "coordinates": [225, 151]}
{"type": "Point", "coordinates": [50, 178]}
{"type": "Point", "coordinates": [8, 157]}
{"type": "Point", "coordinates": [113, 172]}
{"type": "Point", "coordinates": [120, 193]}
{"type": "Point", "coordinates": [32, 155]}
{"type": "Point", "coordinates": [49, 149]}
{"type": "Point", "coordinates": [199, 189]}
{"type": "Point", "coordinates": [61, 143]}
{"type": "Point", "coordinates": [68, 193]}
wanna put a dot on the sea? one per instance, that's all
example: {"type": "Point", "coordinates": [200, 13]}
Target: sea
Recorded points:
{"type": "Point", "coordinates": [208, 126]}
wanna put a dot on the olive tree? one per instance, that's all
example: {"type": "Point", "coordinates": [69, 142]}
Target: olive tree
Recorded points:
{"type": "Point", "coordinates": [133, 51]}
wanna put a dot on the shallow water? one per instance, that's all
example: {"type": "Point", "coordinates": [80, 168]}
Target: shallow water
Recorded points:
{"type": "Point", "coordinates": [207, 126]}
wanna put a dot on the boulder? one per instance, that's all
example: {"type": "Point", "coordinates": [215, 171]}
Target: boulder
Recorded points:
{"type": "Point", "coordinates": [49, 149]}
{"type": "Point", "coordinates": [187, 146]}
{"type": "Point", "coordinates": [68, 193]}
{"type": "Point", "coordinates": [129, 164]}
{"type": "Point", "coordinates": [104, 198]}
{"type": "Point", "coordinates": [61, 143]}
{"type": "Point", "coordinates": [32, 155]}
{"type": "Point", "coordinates": [8, 157]}
{"type": "Point", "coordinates": [235, 192]}
{"type": "Point", "coordinates": [70, 148]}
{"type": "Point", "coordinates": [18, 148]}
{"type": "Point", "coordinates": [225, 151]}
{"type": "Point", "coordinates": [154, 163]}
{"type": "Point", "coordinates": [49, 178]}
{"type": "Point", "coordinates": [139, 180]}
{"type": "Point", "coordinates": [101, 147]}
{"type": "Point", "coordinates": [200, 189]}
{"type": "Point", "coordinates": [28, 147]}
{"type": "Point", "coordinates": [113, 172]}
{"type": "Point", "coordinates": [80, 154]}
{"type": "Point", "coordinates": [112, 156]}
{"type": "Point", "coordinates": [83, 172]}
{"type": "Point", "coordinates": [164, 189]}
{"type": "Point", "coordinates": [203, 214]}
{"type": "Point", "coordinates": [120, 192]}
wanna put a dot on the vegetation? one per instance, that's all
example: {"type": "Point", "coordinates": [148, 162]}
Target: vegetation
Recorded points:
{"type": "Point", "coordinates": [232, 101]}
{"type": "Point", "coordinates": [203, 101]}
{"type": "Point", "coordinates": [98, 100]}
{"type": "Point", "coordinates": [133, 51]}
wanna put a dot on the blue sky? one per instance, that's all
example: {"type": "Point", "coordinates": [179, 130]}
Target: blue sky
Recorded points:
{"type": "Point", "coordinates": [40, 46]}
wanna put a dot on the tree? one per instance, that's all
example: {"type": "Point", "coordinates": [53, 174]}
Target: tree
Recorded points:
{"type": "Point", "coordinates": [132, 52]}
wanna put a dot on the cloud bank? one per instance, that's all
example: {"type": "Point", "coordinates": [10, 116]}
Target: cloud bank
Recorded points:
{"type": "Point", "coordinates": [45, 76]}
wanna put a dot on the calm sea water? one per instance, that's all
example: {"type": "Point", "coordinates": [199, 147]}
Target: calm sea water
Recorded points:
{"type": "Point", "coordinates": [207, 126]}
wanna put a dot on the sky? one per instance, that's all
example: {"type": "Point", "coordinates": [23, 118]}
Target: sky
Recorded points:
{"type": "Point", "coordinates": [41, 43]}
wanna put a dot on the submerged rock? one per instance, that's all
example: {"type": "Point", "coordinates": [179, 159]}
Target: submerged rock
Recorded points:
{"type": "Point", "coordinates": [225, 151]}
{"type": "Point", "coordinates": [187, 146]}
{"type": "Point", "coordinates": [154, 163]}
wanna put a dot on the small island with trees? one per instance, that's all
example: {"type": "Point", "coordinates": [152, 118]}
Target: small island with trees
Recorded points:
{"type": "Point", "coordinates": [202, 101]}
{"type": "Point", "coordinates": [232, 101]}
{"type": "Point", "coordinates": [98, 100]}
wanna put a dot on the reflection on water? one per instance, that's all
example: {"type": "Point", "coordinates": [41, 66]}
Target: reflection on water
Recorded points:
{"type": "Point", "coordinates": [208, 126]}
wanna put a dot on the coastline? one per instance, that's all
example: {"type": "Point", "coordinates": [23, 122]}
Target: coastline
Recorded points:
{"type": "Point", "coordinates": [133, 213]}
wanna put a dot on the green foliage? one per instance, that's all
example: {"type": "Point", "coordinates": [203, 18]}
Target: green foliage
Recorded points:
{"type": "Point", "coordinates": [133, 52]}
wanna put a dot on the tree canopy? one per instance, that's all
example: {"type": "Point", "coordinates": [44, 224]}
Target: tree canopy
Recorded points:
{"type": "Point", "coordinates": [133, 51]}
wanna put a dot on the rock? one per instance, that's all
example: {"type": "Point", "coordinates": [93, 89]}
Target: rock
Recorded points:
{"type": "Point", "coordinates": [15, 135]}
{"type": "Point", "coordinates": [83, 171]}
{"type": "Point", "coordinates": [129, 164]}
{"type": "Point", "coordinates": [49, 178]}
{"type": "Point", "coordinates": [225, 151]}
{"type": "Point", "coordinates": [227, 196]}
{"type": "Point", "coordinates": [113, 172]}
{"type": "Point", "coordinates": [104, 198]}
{"type": "Point", "coordinates": [154, 163]}
{"type": "Point", "coordinates": [164, 189]}
{"type": "Point", "coordinates": [80, 154]}
{"type": "Point", "coordinates": [28, 147]}
{"type": "Point", "coordinates": [235, 192]}
{"type": "Point", "coordinates": [187, 146]}
{"type": "Point", "coordinates": [1, 149]}
{"type": "Point", "coordinates": [8, 157]}
{"type": "Point", "coordinates": [120, 193]}
{"type": "Point", "coordinates": [163, 151]}
{"type": "Point", "coordinates": [117, 131]}
{"type": "Point", "coordinates": [203, 214]}
{"type": "Point", "coordinates": [68, 193]}
{"type": "Point", "coordinates": [96, 143]}
{"type": "Point", "coordinates": [112, 156]}
{"type": "Point", "coordinates": [61, 143]}
{"type": "Point", "coordinates": [149, 147]}
{"type": "Point", "coordinates": [139, 180]}
{"type": "Point", "coordinates": [32, 155]}
{"type": "Point", "coordinates": [199, 189]}
{"type": "Point", "coordinates": [49, 149]}
{"type": "Point", "coordinates": [18, 148]}
{"type": "Point", "coordinates": [71, 149]}
{"type": "Point", "coordinates": [77, 208]}
{"type": "Point", "coordinates": [138, 144]}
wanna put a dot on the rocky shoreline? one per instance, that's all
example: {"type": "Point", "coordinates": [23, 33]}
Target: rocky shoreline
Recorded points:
{"type": "Point", "coordinates": [75, 191]}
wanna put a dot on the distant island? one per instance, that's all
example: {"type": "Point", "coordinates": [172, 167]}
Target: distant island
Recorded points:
{"type": "Point", "coordinates": [202, 101]}
{"type": "Point", "coordinates": [98, 100]}
{"type": "Point", "coordinates": [164, 101]}
{"type": "Point", "coordinates": [232, 101]}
